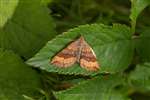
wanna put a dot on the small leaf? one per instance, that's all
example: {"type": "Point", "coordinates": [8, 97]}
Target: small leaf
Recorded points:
{"type": "Point", "coordinates": [112, 45]}
{"type": "Point", "coordinates": [137, 6]}
{"type": "Point", "coordinates": [100, 88]}
{"type": "Point", "coordinates": [142, 45]}
{"type": "Point", "coordinates": [140, 78]}
{"type": "Point", "coordinates": [29, 28]}
{"type": "Point", "coordinates": [7, 8]}
{"type": "Point", "coordinates": [16, 78]}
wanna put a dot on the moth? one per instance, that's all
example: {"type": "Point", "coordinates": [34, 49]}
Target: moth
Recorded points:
{"type": "Point", "coordinates": [77, 51]}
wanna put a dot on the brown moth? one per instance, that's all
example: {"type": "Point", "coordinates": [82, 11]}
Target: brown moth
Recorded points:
{"type": "Point", "coordinates": [77, 51]}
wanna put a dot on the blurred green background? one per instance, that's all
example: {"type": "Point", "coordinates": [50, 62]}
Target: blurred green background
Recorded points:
{"type": "Point", "coordinates": [71, 13]}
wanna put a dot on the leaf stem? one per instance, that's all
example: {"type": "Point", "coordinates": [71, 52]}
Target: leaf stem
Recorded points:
{"type": "Point", "coordinates": [133, 25]}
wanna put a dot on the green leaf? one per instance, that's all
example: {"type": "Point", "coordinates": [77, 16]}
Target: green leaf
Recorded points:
{"type": "Point", "coordinates": [142, 45]}
{"type": "Point", "coordinates": [140, 77]}
{"type": "Point", "coordinates": [7, 8]}
{"type": "Point", "coordinates": [100, 88]}
{"type": "Point", "coordinates": [29, 29]}
{"type": "Point", "coordinates": [137, 6]}
{"type": "Point", "coordinates": [113, 47]}
{"type": "Point", "coordinates": [45, 2]}
{"type": "Point", "coordinates": [16, 78]}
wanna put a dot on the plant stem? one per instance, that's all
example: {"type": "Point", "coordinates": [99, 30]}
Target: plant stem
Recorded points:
{"type": "Point", "coordinates": [133, 25]}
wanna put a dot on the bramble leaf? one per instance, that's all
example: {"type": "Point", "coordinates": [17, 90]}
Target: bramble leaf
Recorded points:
{"type": "Point", "coordinates": [140, 78]}
{"type": "Point", "coordinates": [113, 47]}
{"type": "Point", "coordinates": [100, 88]}
{"type": "Point", "coordinates": [28, 29]}
{"type": "Point", "coordinates": [16, 78]}
{"type": "Point", "coordinates": [7, 8]}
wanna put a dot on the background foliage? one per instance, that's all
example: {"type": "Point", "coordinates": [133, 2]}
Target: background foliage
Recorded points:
{"type": "Point", "coordinates": [33, 31]}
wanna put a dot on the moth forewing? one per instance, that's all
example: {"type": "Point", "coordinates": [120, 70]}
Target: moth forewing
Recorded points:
{"type": "Point", "coordinates": [77, 51]}
{"type": "Point", "coordinates": [67, 56]}
{"type": "Point", "coordinates": [88, 58]}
